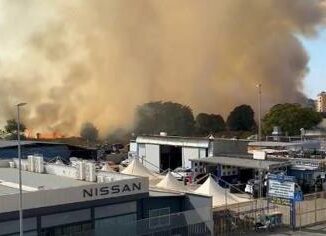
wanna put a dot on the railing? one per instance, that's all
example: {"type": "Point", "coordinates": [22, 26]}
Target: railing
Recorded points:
{"type": "Point", "coordinates": [192, 222]}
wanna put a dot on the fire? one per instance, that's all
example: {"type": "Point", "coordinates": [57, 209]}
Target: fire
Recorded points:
{"type": "Point", "coordinates": [44, 135]}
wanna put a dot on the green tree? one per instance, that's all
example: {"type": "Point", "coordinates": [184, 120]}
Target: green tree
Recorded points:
{"type": "Point", "coordinates": [11, 129]}
{"type": "Point", "coordinates": [170, 117]}
{"type": "Point", "coordinates": [89, 132]}
{"type": "Point", "coordinates": [209, 123]}
{"type": "Point", "coordinates": [241, 119]}
{"type": "Point", "coordinates": [291, 118]}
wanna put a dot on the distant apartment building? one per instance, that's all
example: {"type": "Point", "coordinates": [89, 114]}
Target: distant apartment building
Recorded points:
{"type": "Point", "coordinates": [321, 102]}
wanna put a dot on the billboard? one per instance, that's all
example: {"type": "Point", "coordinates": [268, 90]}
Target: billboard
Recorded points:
{"type": "Point", "coordinates": [281, 186]}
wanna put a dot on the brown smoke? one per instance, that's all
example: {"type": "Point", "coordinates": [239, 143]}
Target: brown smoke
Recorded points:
{"type": "Point", "coordinates": [97, 60]}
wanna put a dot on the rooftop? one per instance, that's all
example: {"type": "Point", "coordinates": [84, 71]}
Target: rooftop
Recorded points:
{"type": "Point", "coordinates": [243, 162]}
{"type": "Point", "coordinates": [13, 143]}
{"type": "Point", "coordinates": [35, 181]}
{"type": "Point", "coordinates": [174, 140]}
{"type": "Point", "coordinates": [282, 144]}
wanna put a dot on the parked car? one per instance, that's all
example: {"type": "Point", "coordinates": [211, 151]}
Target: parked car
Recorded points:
{"type": "Point", "coordinates": [182, 173]}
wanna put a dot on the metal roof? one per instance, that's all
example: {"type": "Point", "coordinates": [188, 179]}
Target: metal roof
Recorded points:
{"type": "Point", "coordinates": [13, 143]}
{"type": "Point", "coordinates": [36, 180]}
{"type": "Point", "coordinates": [243, 162]}
{"type": "Point", "coordinates": [282, 144]}
{"type": "Point", "coordinates": [173, 141]}
{"type": "Point", "coordinates": [5, 190]}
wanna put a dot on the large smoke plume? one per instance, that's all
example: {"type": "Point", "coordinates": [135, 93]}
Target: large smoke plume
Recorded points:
{"type": "Point", "coordinates": [76, 61]}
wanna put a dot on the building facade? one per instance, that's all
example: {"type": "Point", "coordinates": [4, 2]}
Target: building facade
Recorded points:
{"type": "Point", "coordinates": [161, 152]}
{"type": "Point", "coordinates": [62, 200]}
{"type": "Point", "coordinates": [321, 102]}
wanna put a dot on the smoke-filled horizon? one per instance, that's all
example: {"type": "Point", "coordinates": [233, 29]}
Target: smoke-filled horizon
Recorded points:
{"type": "Point", "coordinates": [77, 61]}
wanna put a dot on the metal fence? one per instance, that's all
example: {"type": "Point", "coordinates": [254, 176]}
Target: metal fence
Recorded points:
{"type": "Point", "coordinates": [196, 222]}
{"type": "Point", "coordinates": [241, 218]}
{"type": "Point", "coordinates": [312, 210]}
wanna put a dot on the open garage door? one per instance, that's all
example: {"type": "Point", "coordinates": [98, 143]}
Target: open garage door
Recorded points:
{"type": "Point", "coordinates": [170, 157]}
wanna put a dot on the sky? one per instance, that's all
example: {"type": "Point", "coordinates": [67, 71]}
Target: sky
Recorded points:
{"type": "Point", "coordinates": [70, 60]}
{"type": "Point", "coordinates": [316, 78]}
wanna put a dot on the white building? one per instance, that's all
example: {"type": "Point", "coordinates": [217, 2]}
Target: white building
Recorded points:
{"type": "Point", "coordinates": [79, 200]}
{"type": "Point", "coordinates": [161, 152]}
{"type": "Point", "coordinates": [168, 152]}
{"type": "Point", "coordinates": [321, 102]}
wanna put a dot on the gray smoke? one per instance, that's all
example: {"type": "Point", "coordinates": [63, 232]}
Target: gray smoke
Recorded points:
{"type": "Point", "coordinates": [95, 61]}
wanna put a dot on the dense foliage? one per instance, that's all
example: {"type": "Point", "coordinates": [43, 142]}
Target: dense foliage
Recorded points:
{"type": "Point", "coordinates": [290, 118]}
{"type": "Point", "coordinates": [11, 129]}
{"type": "Point", "coordinates": [170, 117]}
{"type": "Point", "coordinates": [209, 123]}
{"type": "Point", "coordinates": [89, 132]}
{"type": "Point", "coordinates": [241, 119]}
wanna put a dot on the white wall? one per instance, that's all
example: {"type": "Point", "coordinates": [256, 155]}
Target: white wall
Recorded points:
{"type": "Point", "coordinates": [202, 152]}
{"type": "Point", "coordinates": [141, 150]}
{"type": "Point", "coordinates": [189, 153]}
{"type": "Point", "coordinates": [152, 157]}
{"type": "Point", "coordinates": [133, 147]}
{"type": "Point", "coordinates": [53, 197]}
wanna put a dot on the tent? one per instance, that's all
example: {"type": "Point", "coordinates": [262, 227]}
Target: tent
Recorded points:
{"type": "Point", "coordinates": [107, 167]}
{"type": "Point", "coordinates": [220, 195]}
{"type": "Point", "coordinates": [170, 182]}
{"type": "Point", "coordinates": [136, 168]}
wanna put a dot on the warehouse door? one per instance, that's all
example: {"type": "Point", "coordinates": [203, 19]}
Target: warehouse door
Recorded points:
{"type": "Point", "coordinates": [170, 157]}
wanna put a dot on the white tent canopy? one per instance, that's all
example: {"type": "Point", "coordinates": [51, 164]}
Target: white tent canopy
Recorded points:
{"type": "Point", "coordinates": [136, 168]}
{"type": "Point", "coordinates": [220, 195]}
{"type": "Point", "coordinates": [170, 182]}
{"type": "Point", "coordinates": [107, 168]}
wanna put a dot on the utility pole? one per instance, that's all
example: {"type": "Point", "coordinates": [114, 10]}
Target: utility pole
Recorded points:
{"type": "Point", "coordinates": [259, 111]}
{"type": "Point", "coordinates": [21, 230]}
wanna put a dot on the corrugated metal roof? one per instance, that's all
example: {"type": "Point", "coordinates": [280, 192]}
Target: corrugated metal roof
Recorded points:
{"type": "Point", "coordinates": [13, 143]}
{"type": "Point", "coordinates": [173, 141]}
{"type": "Point", "coordinates": [282, 144]}
{"type": "Point", "coordinates": [243, 162]}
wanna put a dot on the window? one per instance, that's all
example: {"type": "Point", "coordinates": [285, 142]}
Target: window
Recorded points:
{"type": "Point", "coordinates": [159, 217]}
{"type": "Point", "coordinates": [70, 229]}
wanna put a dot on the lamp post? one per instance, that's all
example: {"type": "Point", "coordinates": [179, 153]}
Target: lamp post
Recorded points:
{"type": "Point", "coordinates": [21, 232]}
{"type": "Point", "coordinates": [259, 111]}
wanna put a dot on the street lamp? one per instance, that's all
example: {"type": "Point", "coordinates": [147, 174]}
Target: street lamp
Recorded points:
{"type": "Point", "coordinates": [259, 111]}
{"type": "Point", "coordinates": [21, 232]}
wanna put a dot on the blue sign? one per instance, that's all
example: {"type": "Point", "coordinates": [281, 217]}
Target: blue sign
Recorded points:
{"type": "Point", "coordinates": [298, 196]}
{"type": "Point", "coordinates": [281, 186]}
{"type": "Point", "coordinates": [281, 178]}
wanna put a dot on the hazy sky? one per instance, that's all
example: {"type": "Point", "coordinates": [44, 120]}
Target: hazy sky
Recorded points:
{"type": "Point", "coordinates": [76, 61]}
{"type": "Point", "coordinates": [316, 78]}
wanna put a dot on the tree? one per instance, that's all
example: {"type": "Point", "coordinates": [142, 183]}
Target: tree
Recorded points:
{"type": "Point", "coordinates": [209, 123]}
{"type": "Point", "coordinates": [89, 132]}
{"type": "Point", "coordinates": [241, 119]}
{"type": "Point", "coordinates": [290, 118]}
{"type": "Point", "coordinates": [11, 129]}
{"type": "Point", "coordinates": [170, 117]}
